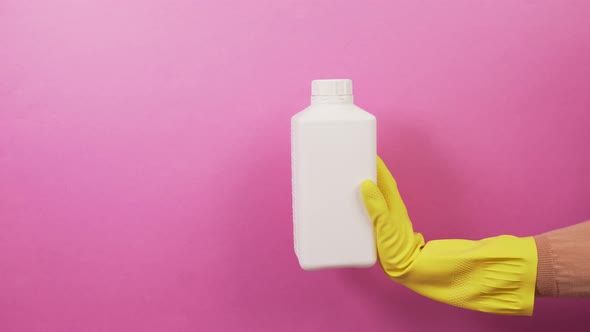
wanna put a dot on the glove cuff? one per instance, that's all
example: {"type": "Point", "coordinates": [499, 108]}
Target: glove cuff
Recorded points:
{"type": "Point", "coordinates": [495, 275]}
{"type": "Point", "coordinates": [508, 276]}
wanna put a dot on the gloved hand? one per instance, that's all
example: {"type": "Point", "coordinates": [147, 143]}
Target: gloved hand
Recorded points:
{"type": "Point", "coordinates": [495, 275]}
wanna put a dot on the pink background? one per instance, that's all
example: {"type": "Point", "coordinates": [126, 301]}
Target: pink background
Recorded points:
{"type": "Point", "coordinates": [144, 154]}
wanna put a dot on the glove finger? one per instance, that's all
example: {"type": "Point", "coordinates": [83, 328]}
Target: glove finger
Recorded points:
{"type": "Point", "coordinates": [374, 201]}
{"type": "Point", "coordinates": [388, 187]}
{"type": "Point", "coordinates": [387, 235]}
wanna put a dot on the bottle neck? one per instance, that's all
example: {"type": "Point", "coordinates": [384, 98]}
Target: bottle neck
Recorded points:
{"type": "Point", "coordinates": [345, 99]}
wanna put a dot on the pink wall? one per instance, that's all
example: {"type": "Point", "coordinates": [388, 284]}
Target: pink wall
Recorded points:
{"type": "Point", "coordinates": [144, 154]}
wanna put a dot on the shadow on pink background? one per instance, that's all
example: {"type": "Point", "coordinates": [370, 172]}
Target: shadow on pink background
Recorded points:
{"type": "Point", "coordinates": [145, 158]}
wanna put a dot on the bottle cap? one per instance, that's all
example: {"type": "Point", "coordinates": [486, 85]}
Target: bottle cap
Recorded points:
{"type": "Point", "coordinates": [331, 87]}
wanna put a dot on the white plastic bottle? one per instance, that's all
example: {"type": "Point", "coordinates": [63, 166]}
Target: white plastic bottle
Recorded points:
{"type": "Point", "coordinates": [333, 149]}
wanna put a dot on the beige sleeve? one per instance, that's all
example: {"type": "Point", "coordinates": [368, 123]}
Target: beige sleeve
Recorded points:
{"type": "Point", "coordinates": [564, 262]}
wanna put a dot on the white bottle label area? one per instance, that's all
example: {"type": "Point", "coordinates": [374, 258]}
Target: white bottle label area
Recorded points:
{"type": "Point", "coordinates": [333, 151]}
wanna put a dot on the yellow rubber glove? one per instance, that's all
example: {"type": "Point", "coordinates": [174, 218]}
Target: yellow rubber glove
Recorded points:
{"type": "Point", "coordinates": [495, 275]}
